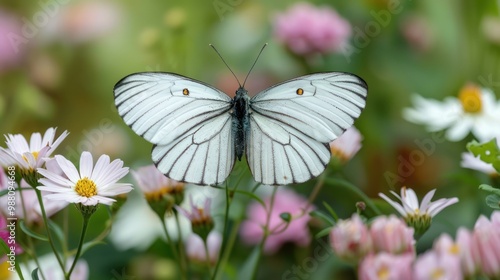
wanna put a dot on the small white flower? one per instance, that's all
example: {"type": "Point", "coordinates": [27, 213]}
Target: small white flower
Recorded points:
{"type": "Point", "coordinates": [418, 216]}
{"type": "Point", "coordinates": [475, 163]}
{"type": "Point", "coordinates": [410, 207]}
{"type": "Point", "coordinates": [30, 156]}
{"type": "Point", "coordinates": [475, 110]}
{"type": "Point", "coordinates": [90, 186]}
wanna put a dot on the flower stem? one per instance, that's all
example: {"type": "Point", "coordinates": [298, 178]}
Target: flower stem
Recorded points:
{"type": "Point", "coordinates": [182, 257]}
{"type": "Point", "coordinates": [86, 219]}
{"type": "Point", "coordinates": [266, 232]}
{"type": "Point", "coordinates": [229, 246]}
{"type": "Point", "coordinates": [173, 248]}
{"type": "Point", "coordinates": [46, 224]}
{"type": "Point", "coordinates": [207, 256]}
{"type": "Point", "coordinates": [224, 241]}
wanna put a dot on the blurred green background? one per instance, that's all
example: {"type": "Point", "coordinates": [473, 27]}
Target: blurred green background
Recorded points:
{"type": "Point", "coordinates": [63, 76]}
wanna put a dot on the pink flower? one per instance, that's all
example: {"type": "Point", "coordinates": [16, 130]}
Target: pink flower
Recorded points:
{"type": "Point", "coordinates": [195, 249]}
{"type": "Point", "coordinates": [385, 266]}
{"type": "Point", "coordinates": [85, 21]}
{"type": "Point", "coordinates": [460, 248]}
{"type": "Point", "coordinates": [351, 239]}
{"type": "Point", "coordinates": [486, 246]}
{"type": "Point", "coordinates": [306, 29]}
{"type": "Point", "coordinates": [4, 234]}
{"type": "Point", "coordinates": [391, 235]}
{"type": "Point", "coordinates": [154, 184]}
{"type": "Point", "coordinates": [12, 42]}
{"type": "Point", "coordinates": [347, 145]}
{"type": "Point", "coordinates": [285, 201]}
{"type": "Point", "coordinates": [432, 265]}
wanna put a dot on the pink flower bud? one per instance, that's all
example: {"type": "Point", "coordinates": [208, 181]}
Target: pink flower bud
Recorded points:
{"type": "Point", "coordinates": [486, 246]}
{"type": "Point", "coordinates": [432, 265]}
{"type": "Point", "coordinates": [350, 239]}
{"type": "Point", "coordinates": [392, 235]}
{"type": "Point", "coordinates": [385, 266]}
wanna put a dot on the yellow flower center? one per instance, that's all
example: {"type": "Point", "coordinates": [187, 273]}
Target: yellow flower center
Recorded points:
{"type": "Point", "coordinates": [338, 153]}
{"type": "Point", "coordinates": [470, 97]}
{"type": "Point", "coordinates": [159, 193]}
{"type": "Point", "coordinates": [86, 187]}
{"type": "Point", "coordinates": [438, 273]}
{"type": "Point", "coordinates": [383, 273]}
{"type": "Point", "coordinates": [35, 155]}
{"type": "Point", "coordinates": [454, 249]}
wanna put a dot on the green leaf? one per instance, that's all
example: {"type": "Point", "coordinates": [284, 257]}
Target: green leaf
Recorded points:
{"type": "Point", "coordinates": [252, 195]}
{"type": "Point", "coordinates": [323, 232]}
{"type": "Point", "coordinates": [285, 216]}
{"type": "Point", "coordinates": [487, 152]}
{"type": "Point", "coordinates": [87, 245]}
{"type": "Point", "coordinates": [331, 211]}
{"type": "Point", "coordinates": [5, 248]}
{"type": "Point", "coordinates": [55, 228]}
{"type": "Point", "coordinates": [493, 201]}
{"type": "Point", "coordinates": [249, 268]}
{"type": "Point", "coordinates": [489, 188]}
{"type": "Point", "coordinates": [31, 233]}
{"type": "Point", "coordinates": [322, 216]}
{"type": "Point", "coordinates": [34, 274]}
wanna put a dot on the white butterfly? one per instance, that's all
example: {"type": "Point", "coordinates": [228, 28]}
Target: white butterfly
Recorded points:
{"type": "Point", "coordinates": [198, 131]}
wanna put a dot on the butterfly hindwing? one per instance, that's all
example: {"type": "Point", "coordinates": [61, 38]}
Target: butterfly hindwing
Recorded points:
{"type": "Point", "coordinates": [188, 121]}
{"type": "Point", "coordinates": [292, 123]}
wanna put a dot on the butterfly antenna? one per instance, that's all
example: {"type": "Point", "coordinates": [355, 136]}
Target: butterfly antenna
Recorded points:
{"type": "Point", "coordinates": [226, 64]}
{"type": "Point", "coordinates": [263, 47]}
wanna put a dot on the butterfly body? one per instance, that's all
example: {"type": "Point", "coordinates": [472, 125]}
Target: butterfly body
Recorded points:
{"type": "Point", "coordinates": [198, 131]}
{"type": "Point", "coordinates": [240, 115]}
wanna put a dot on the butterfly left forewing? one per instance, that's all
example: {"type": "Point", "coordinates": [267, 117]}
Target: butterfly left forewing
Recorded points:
{"type": "Point", "coordinates": [188, 121]}
{"type": "Point", "coordinates": [309, 112]}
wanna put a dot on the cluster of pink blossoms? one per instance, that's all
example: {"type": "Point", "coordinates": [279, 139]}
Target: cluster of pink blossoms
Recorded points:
{"type": "Point", "coordinates": [385, 250]}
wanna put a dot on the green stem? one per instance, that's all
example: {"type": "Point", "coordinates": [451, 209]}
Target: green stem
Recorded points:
{"type": "Point", "coordinates": [86, 219]}
{"type": "Point", "coordinates": [207, 256]}
{"type": "Point", "coordinates": [46, 224]}
{"type": "Point", "coordinates": [348, 186]}
{"type": "Point", "coordinates": [30, 241]}
{"type": "Point", "coordinates": [173, 248]}
{"type": "Point", "coordinates": [266, 231]}
{"type": "Point", "coordinates": [230, 244]}
{"type": "Point", "coordinates": [224, 241]}
{"type": "Point", "coordinates": [183, 258]}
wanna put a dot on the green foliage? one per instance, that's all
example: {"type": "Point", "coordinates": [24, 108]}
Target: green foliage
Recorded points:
{"type": "Point", "coordinates": [487, 152]}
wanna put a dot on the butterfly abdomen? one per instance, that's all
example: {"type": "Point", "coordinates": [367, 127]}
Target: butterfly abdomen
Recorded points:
{"type": "Point", "coordinates": [240, 121]}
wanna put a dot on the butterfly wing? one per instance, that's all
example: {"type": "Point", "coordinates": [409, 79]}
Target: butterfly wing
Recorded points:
{"type": "Point", "coordinates": [292, 123]}
{"type": "Point", "coordinates": [188, 122]}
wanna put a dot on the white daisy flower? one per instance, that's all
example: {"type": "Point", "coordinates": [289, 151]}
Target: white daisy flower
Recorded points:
{"type": "Point", "coordinates": [30, 156]}
{"type": "Point", "coordinates": [419, 216]}
{"type": "Point", "coordinates": [475, 163]}
{"type": "Point", "coordinates": [475, 110]}
{"type": "Point", "coordinates": [92, 185]}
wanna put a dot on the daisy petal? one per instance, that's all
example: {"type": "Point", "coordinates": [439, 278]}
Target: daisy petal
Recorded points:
{"type": "Point", "coordinates": [86, 164]}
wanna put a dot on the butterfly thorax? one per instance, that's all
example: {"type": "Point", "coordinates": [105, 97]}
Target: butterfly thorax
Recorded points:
{"type": "Point", "coordinates": [240, 120]}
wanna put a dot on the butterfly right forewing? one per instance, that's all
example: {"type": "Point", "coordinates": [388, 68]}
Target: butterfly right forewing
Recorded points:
{"type": "Point", "coordinates": [292, 123]}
